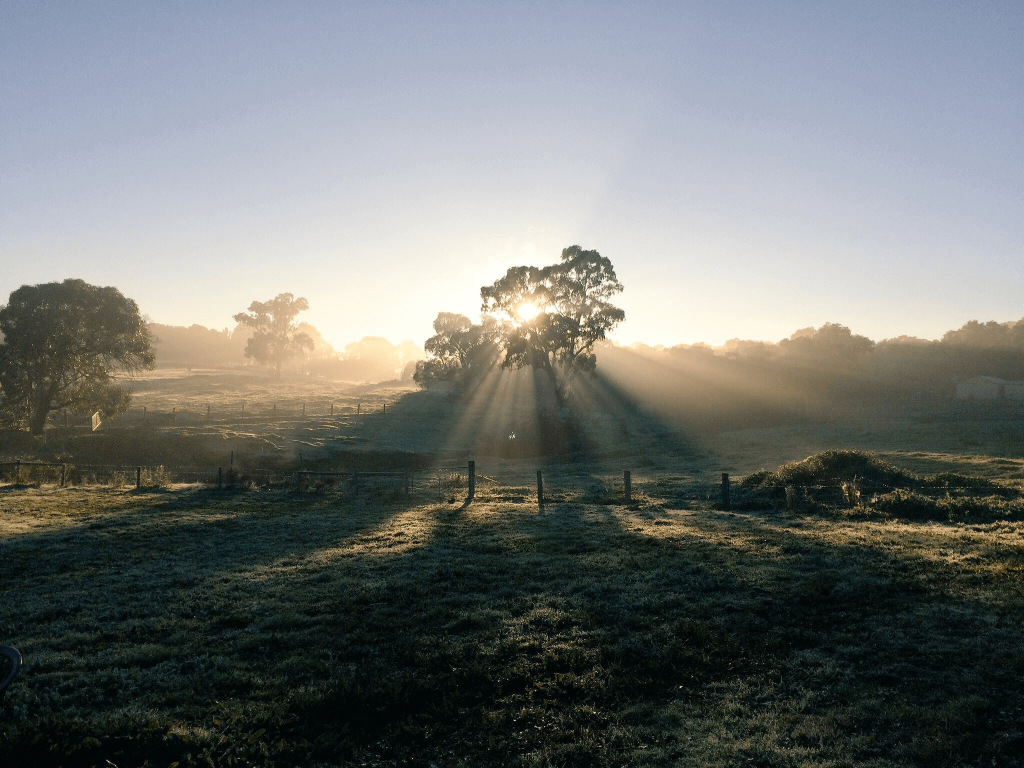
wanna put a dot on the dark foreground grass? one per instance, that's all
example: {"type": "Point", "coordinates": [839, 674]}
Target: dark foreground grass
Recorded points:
{"type": "Point", "coordinates": [192, 628]}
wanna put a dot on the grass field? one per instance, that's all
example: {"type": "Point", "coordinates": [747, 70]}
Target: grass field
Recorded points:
{"type": "Point", "coordinates": [189, 626]}
{"type": "Point", "coordinates": [248, 628]}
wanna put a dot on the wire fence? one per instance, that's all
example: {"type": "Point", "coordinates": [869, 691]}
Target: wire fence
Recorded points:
{"type": "Point", "coordinates": [247, 412]}
{"type": "Point", "coordinates": [435, 483]}
{"type": "Point", "coordinates": [462, 483]}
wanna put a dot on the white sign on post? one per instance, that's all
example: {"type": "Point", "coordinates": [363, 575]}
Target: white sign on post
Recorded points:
{"type": "Point", "coordinates": [96, 421]}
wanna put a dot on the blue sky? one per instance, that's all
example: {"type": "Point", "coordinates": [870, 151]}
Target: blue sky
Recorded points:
{"type": "Point", "coordinates": [749, 168]}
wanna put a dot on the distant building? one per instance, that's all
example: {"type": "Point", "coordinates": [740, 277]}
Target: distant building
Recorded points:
{"type": "Point", "coordinates": [989, 388]}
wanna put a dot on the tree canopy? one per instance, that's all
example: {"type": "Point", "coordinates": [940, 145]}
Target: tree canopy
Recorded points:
{"type": "Point", "coordinates": [552, 316]}
{"type": "Point", "coordinates": [276, 338]}
{"type": "Point", "coordinates": [62, 342]}
{"type": "Point", "coordinates": [545, 317]}
{"type": "Point", "coordinates": [458, 350]}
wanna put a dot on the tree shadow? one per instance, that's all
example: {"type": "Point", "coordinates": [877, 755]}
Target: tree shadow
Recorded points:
{"type": "Point", "coordinates": [418, 631]}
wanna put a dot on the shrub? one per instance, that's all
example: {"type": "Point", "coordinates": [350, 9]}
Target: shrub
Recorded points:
{"type": "Point", "coordinates": [833, 468]}
{"type": "Point", "coordinates": [908, 504]}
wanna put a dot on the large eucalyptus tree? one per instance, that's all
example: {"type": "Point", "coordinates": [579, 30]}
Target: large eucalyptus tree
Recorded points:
{"type": "Point", "coordinates": [61, 344]}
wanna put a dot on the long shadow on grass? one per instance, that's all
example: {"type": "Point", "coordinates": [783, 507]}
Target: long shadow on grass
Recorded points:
{"type": "Point", "coordinates": [120, 575]}
{"type": "Point", "coordinates": [500, 634]}
{"type": "Point", "coordinates": [549, 617]}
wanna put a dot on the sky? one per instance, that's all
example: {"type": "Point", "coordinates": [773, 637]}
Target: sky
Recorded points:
{"type": "Point", "coordinates": [749, 168]}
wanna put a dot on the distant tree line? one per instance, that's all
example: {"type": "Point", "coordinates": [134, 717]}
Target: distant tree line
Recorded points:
{"type": "Point", "coordinates": [270, 334]}
{"type": "Point", "coordinates": [827, 367]}
{"type": "Point", "coordinates": [373, 358]}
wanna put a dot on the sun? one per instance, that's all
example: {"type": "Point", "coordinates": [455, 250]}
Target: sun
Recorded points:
{"type": "Point", "coordinates": [527, 311]}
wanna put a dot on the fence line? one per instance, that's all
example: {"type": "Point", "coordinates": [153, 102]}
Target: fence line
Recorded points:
{"type": "Point", "coordinates": [243, 411]}
{"type": "Point", "coordinates": [449, 481]}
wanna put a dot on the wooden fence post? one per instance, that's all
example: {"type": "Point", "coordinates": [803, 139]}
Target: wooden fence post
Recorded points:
{"type": "Point", "coordinates": [472, 481]}
{"type": "Point", "coordinates": [303, 410]}
{"type": "Point", "coordinates": [17, 472]}
{"type": "Point", "coordinates": [332, 409]}
{"type": "Point", "coordinates": [385, 408]}
{"type": "Point", "coordinates": [540, 489]}
{"type": "Point", "coordinates": [725, 491]}
{"type": "Point", "coordinates": [207, 411]}
{"type": "Point", "coordinates": [628, 486]}
{"type": "Point", "coordinates": [63, 474]}
{"type": "Point", "coordinates": [138, 478]}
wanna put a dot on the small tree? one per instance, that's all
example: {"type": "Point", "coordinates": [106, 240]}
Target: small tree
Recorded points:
{"type": "Point", "coordinates": [275, 338]}
{"type": "Point", "coordinates": [61, 343]}
{"type": "Point", "coordinates": [458, 349]}
{"type": "Point", "coordinates": [553, 316]}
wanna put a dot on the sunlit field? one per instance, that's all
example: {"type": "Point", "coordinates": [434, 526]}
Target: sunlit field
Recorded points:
{"type": "Point", "coordinates": [844, 611]}
{"type": "Point", "coordinates": [191, 627]}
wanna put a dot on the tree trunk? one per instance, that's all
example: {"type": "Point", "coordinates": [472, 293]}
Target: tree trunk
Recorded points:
{"type": "Point", "coordinates": [40, 411]}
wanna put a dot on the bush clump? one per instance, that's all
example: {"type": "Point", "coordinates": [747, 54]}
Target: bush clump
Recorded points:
{"type": "Point", "coordinates": [862, 482]}
{"type": "Point", "coordinates": [911, 505]}
{"type": "Point", "coordinates": [832, 468]}
{"type": "Point", "coordinates": [907, 504]}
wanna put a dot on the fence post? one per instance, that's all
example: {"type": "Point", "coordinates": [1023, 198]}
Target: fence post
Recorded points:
{"type": "Point", "coordinates": [17, 472]}
{"type": "Point", "coordinates": [303, 410]}
{"type": "Point", "coordinates": [273, 410]}
{"type": "Point", "coordinates": [472, 481]}
{"type": "Point", "coordinates": [332, 409]}
{"type": "Point", "coordinates": [385, 408]}
{"type": "Point", "coordinates": [359, 407]}
{"type": "Point", "coordinates": [207, 411]}
{"type": "Point", "coordinates": [138, 478]}
{"type": "Point", "coordinates": [725, 490]}
{"type": "Point", "coordinates": [220, 478]}
{"type": "Point", "coordinates": [63, 474]}
{"type": "Point", "coordinates": [628, 486]}
{"type": "Point", "coordinates": [540, 489]}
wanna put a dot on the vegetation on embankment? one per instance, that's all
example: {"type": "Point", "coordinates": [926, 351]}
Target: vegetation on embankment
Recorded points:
{"type": "Point", "coordinates": [859, 483]}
